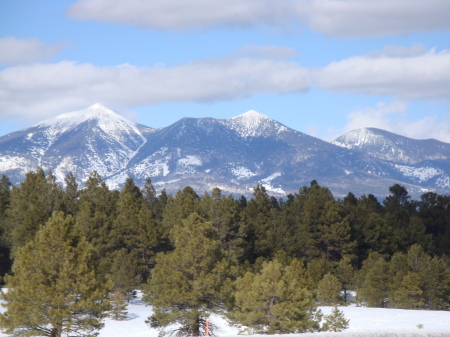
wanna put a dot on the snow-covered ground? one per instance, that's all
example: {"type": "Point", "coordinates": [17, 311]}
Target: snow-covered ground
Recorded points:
{"type": "Point", "coordinates": [364, 322]}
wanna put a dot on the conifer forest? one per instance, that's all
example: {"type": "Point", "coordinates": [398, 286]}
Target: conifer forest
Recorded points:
{"type": "Point", "coordinates": [71, 256]}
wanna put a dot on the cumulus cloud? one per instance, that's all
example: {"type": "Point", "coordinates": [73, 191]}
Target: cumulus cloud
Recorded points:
{"type": "Point", "coordinates": [15, 51]}
{"type": "Point", "coordinates": [419, 76]}
{"type": "Point", "coordinates": [179, 14]}
{"type": "Point", "coordinates": [394, 117]}
{"type": "Point", "coordinates": [39, 90]}
{"type": "Point", "coordinates": [366, 18]}
{"type": "Point", "coordinates": [348, 18]}
{"type": "Point", "coordinates": [44, 89]}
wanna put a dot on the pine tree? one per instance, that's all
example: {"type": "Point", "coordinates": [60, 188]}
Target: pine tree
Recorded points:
{"type": "Point", "coordinates": [346, 275]}
{"type": "Point", "coordinates": [375, 287]}
{"type": "Point", "coordinates": [5, 196]}
{"type": "Point", "coordinates": [335, 321]}
{"type": "Point", "coordinates": [317, 268]}
{"type": "Point", "coordinates": [96, 212]}
{"type": "Point", "coordinates": [409, 294]}
{"type": "Point", "coordinates": [328, 290]}
{"type": "Point", "coordinates": [124, 273]}
{"type": "Point", "coordinates": [186, 284]}
{"type": "Point", "coordinates": [31, 205]}
{"type": "Point", "coordinates": [275, 300]}
{"type": "Point", "coordinates": [118, 310]}
{"type": "Point", "coordinates": [334, 233]}
{"type": "Point", "coordinates": [71, 195]}
{"type": "Point", "coordinates": [134, 229]}
{"type": "Point", "coordinates": [258, 224]}
{"type": "Point", "coordinates": [177, 209]}
{"type": "Point", "coordinates": [223, 212]}
{"type": "Point", "coordinates": [55, 289]}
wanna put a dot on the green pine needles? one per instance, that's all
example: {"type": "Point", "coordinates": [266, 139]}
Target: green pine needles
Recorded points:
{"type": "Point", "coordinates": [55, 289]}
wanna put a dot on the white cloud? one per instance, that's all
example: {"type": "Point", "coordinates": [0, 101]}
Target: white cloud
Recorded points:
{"type": "Point", "coordinates": [348, 18]}
{"type": "Point", "coordinates": [394, 117]}
{"type": "Point", "coordinates": [15, 51]}
{"type": "Point", "coordinates": [180, 14]}
{"type": "Point", "coordinates": [40, 90]}
{"type": "Point", "coordinates": [425, 76]}
{"type": "Point", "coordinates": [368, 18]}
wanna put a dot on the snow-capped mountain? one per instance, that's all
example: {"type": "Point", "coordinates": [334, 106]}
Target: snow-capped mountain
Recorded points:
{"type": "Point", "coordinates": [233, 154]}
{"type": "Point", "coordinates": [390, 146]}
{"type": "Point", "coordinates": [424, 163]}
{"type": "Point", "coordinates": [94, 138]}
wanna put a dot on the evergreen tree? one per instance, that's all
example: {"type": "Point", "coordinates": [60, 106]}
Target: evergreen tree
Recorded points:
{"type": "Point", "coordinates": [345, 274]}
{"type": "Point", "coordinates": [434, 212]}
{"type": "Point", "coordinates": [55, 289]}
{"type": "Point", "coordinates": [5, 195]}
{"type": "Point", "coordinates": [186, 284]}
{"type": "Point", "coordinates": [409, 294]}
{"type": "Point", "coordinates": [134, 229]}
{"type": "Point", "coordinates": [149, 193]}
{"type": "Point", "coordinates": [118, 310]}
{"type": "Point", "coordinates": [308, 212]}
{"type": "Point", "coordinates": [31, 205]}
{"type": "Point", "coordinates": [179, 208]}
{"type": "Point", "coordinates": [317, 268]}
{"type": "Point", "coordinates": [95, 215]}
{"type": "Point", "coordinates": [258, 223]}
{"type": "Point", "coordinates": [223, 212]}
{"type": "Point", "coordinates": [334, 233]}
{"type": "Point", "coordinates": [275, 300]}
{"type": "Point", "coordinates": [435, 276]}
{"type": "Point", "coordinates": [328, 290]}
{"type": "Point", "coordinates": [71, 195]}
{"type": "Point", "coordinates": [335, 321]}
{"type": "Point", "coordinates": [375, 288]}
{"type": "Point", "coordinates": [124, 273]}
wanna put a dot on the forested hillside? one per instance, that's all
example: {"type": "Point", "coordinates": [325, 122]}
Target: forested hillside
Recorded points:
{"type": "Point", "coordinates": [265, 263]}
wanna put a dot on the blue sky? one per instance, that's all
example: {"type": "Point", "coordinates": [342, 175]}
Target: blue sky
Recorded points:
{"type": "Point", "coordinates": [321, 67]}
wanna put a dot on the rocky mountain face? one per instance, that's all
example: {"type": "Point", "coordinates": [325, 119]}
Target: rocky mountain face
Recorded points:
{"type": "Point", "coordinates": [233, 154]}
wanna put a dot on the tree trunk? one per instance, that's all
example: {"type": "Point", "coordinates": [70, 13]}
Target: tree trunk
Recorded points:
{"type": "Point", "coordinates": [196, 327]}
{"type": "Point", "coordinates": [56, 331]}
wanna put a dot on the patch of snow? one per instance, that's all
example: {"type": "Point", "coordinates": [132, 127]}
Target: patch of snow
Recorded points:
{"type": "Point", "coordinates": [190, 161]}
{"type": "Point", "coordinates": [8, 163]}
{"type": "Point", "coordinates": [364, 322]}
{"type": "Point", "coordinates": [271, 177]}
{"type": "Point", "coordinates": [253, 124]}
{"type": "Point", "coordinates": [167, 182]}
{"type": "Point", "coordinates": [116, 126]}
{"type": "Point", "coordinates": [187, 164]}
{"type": "Point", "coordinates": [242, 172]}
{"type": "Point", "coordinates": [420, 173]}
{"type": "Point", "coordinates": [270, 188]}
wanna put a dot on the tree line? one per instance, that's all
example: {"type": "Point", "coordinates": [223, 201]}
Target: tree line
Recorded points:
{"type": "Point", "coordinates": [71, 256]}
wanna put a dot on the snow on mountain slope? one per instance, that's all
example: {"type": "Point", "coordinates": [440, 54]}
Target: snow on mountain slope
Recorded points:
{"type": "Point", "coordinates": [95, 138]}
{"type": "Point", "coordinates": [236, 154]}
{"type": "Point", "coordinates": [389, 146]}
{"type": "Point", "coordinates": [117, 127]}
{"type": "Point", "coordinates": [254, 124]}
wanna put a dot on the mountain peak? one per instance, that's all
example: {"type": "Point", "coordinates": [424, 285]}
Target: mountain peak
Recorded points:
{"type": "Point", "coordinates": [94, 112]}
{"type": "Point", "coordinates": [251, 115]}
{"type": "Point", "coordinates": [252, 124]}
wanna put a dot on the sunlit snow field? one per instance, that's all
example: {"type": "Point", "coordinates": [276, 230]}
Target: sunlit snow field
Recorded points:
{"type": "Point", "coordinates": [364, 322]}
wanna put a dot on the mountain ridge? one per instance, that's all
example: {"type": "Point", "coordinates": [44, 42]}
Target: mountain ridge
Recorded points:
{"type": "Point", "coordinates": [234, 154]}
